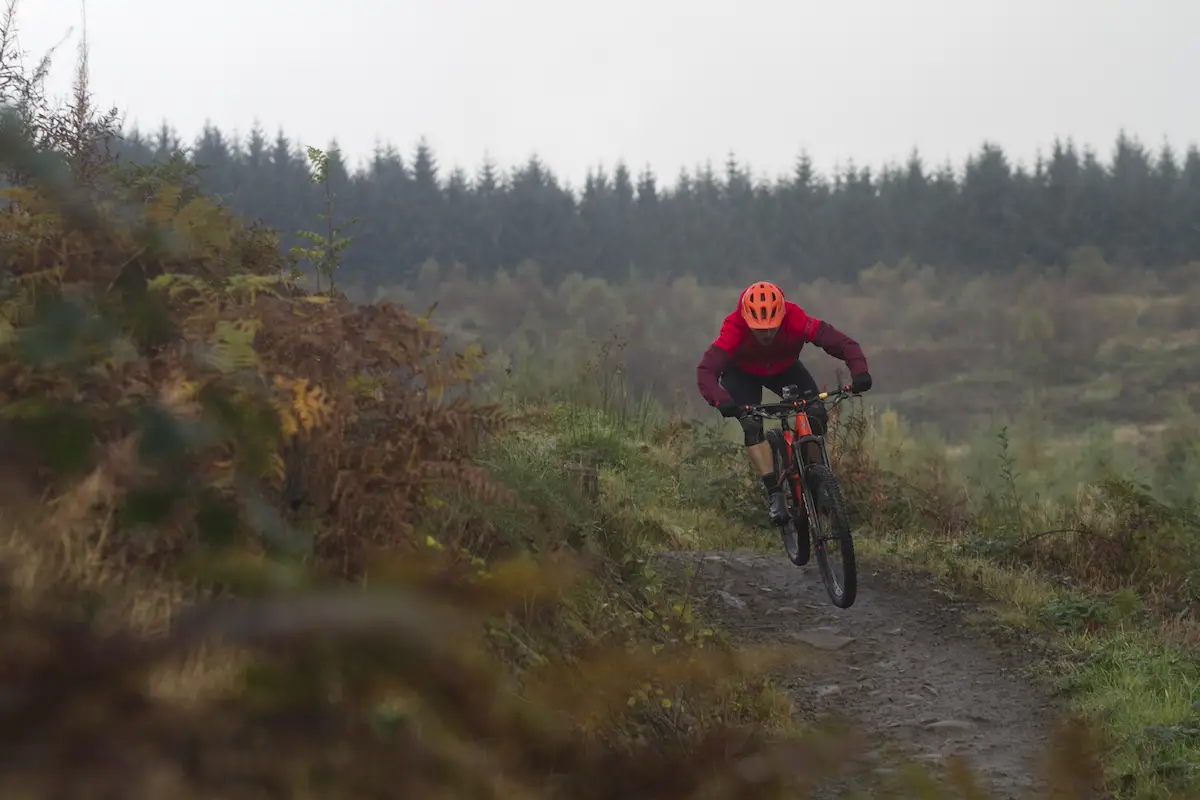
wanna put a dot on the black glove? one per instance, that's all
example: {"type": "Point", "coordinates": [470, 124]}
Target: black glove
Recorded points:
{"type": "Point", "coordinates": [860, 382]}
{"type": "Point", "coordinates": [728, 408]}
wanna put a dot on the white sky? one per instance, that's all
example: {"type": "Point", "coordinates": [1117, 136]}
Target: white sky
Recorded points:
{"type": "Point", "coordinates": [669, 83]}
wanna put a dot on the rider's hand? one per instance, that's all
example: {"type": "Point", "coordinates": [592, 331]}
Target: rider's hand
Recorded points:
{"type": "Point", "coordinates": [860, 382]}
{"type": "Point", "coordinates": [728, 408]}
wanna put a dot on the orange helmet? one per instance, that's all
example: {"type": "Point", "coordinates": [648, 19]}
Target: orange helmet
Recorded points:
{"type": "Point", "coordinates": [762, 305]}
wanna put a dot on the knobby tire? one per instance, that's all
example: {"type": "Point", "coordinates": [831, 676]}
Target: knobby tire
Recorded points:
{"type": "Point", "coordinates": [827, 498]}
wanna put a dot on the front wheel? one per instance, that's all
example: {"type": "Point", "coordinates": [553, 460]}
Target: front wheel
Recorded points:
{"type": "Point", "coordinates": [832, 540]}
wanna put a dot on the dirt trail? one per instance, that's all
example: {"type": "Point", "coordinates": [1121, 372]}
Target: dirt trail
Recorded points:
{"type": "Point", "coordinates": [900, 663]}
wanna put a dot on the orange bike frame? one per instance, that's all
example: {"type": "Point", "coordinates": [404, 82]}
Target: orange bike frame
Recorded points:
{"type": "Point", "coordinates": [803, 428]}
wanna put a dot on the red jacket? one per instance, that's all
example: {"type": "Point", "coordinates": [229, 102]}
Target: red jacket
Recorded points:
{"type": "Point", "coordinates": [736, 346]}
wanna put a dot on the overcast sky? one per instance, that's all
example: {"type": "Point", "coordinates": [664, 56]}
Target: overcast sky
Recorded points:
{"type": "Point", "coordinates": [669, 83]}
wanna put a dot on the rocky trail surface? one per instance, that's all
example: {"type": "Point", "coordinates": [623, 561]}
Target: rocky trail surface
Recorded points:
{"type": "Point", "coordinates": [900, 663]}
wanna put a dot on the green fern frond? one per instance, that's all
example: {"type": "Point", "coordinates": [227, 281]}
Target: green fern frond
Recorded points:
{"type": "Point", "coordinates": [233, 346]}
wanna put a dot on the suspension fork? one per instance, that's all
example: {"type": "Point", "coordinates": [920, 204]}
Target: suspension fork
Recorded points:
{"type": "Point", "coordinates": [811, 446]}
{"type": "Point", "coordinates": [794, 472]}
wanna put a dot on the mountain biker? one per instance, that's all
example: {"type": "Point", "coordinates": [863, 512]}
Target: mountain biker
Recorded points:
{"type": "Point", "coordinates": [759, 346]}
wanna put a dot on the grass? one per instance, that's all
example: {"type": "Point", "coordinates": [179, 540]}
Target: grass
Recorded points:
{"type": "Point", "coordinates": [1106, 603]}
{"type": "Point", "coordinates": [1135, 677]}
{"type": "Point", "coordinates": [1146, 696]}
{"type": "Point", "coordinates": [645, 502]}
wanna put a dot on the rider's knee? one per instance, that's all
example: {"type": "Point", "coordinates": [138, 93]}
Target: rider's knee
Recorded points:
{"type": "Point", "coordinates": [753, 431]}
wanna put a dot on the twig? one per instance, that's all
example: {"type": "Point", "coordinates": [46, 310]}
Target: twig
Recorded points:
{"type": "Point", "coordinates": [1044, 534]}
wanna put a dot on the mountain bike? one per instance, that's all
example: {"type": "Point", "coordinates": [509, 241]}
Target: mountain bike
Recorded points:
{"type": "Point", "coordinates": [810, 490]}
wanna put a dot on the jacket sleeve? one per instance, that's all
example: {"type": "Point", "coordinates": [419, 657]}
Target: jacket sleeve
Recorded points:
{"type": "Point", "coordinates": [708, 374]}
{"type": "Point", "coordinates": [716, 359]}
{"type": "Point", "coordinates": [839, 345]}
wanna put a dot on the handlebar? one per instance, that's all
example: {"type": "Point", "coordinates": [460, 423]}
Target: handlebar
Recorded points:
{"type": "Point", "coordinates": [786, 408]}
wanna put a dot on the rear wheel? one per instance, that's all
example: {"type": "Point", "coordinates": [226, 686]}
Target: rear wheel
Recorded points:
{"type": "Point", "coordinates": [833, 543]}
{"type": "Point", "coordinates": [794, 532]}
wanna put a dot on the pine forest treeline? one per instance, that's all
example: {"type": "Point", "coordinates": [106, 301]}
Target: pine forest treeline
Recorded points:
{"type": "Point", "coordinates": [1140, 207]}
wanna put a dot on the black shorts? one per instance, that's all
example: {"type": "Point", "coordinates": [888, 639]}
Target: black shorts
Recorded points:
{"type": "Point", "coordinates": [747, 389]}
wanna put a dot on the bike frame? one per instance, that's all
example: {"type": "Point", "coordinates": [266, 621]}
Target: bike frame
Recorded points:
{"type": "Point", "coordinates": [795, 438]}
{"type": "Point", "coordinates": [802, 434]}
